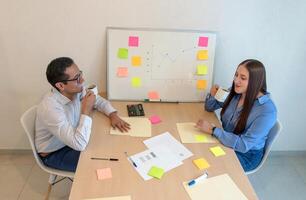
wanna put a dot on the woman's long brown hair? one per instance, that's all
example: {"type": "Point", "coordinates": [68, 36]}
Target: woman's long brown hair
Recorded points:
{"type": "Point", "coordinates": [257, 83]}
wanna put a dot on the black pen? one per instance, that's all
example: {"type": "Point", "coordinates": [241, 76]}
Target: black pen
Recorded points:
{"type": "Point", "coordinates": [110, 159]}
{"type": "Point", "coordinates": [130, 159]}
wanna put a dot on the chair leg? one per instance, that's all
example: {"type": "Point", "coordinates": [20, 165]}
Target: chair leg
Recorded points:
{"type": "Point", "coordinates": [48, 192]}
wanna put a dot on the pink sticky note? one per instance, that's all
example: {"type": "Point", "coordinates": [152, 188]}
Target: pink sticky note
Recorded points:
{"type": "Point", "coordinates": [122, 71]}
{"type": "Point", "coordinates": [203, 41]}
{"type": "Point", "coordinates": [155, 119]}
{"type": "Point", "coordinates": [153, 95]}
{"type": "Point", "coordinates": [133, 41]}
{"type": "Point", "coordinates": [104, 173]}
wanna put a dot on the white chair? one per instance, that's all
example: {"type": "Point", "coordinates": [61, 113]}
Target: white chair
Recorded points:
{"type": "Point", "coordinates": [28, 123]}
{"type": "Point", "coordinates": [273, 133]}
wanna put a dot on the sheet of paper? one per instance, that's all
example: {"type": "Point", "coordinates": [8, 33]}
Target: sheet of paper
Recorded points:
{"type": "Point", "coordinates": [104, 173]}
{"type": "Point", "coordinates": [136, 82]}
{"type": "Point", "coordinates": [210, 189]}
{"type": "Point", "coordinates": [201, 163]}
{"type": "Point", "coordinates": [123, 53]}
{"type": "Point", "coordinates": [133, 41]}
{"type": "Point", "coordinates": [136, 61]}
{"type": "Point", "coordinates": [188, 132]}
{"type": "Point", "coordinates": [122, 72]}
{"type": "Point", "coordinates": [217, 151]}
{"type": "Point", "coordinates": [157, 156]}
{"type": "Point", "coordinates": [167, 140]}
{"type": "Point", "coordinates": [203, 42]}
{"type": "Point", "coordinates": [201, 84]}
{"type": "Point", "coordinates": [113, 198]}
{"type": "Point", "coordinates": [139, 127]}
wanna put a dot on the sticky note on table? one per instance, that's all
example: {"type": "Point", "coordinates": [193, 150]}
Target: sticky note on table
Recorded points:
{"type": "Point", "coordinates": [201, 163]}
{"type": "Point", "coordinates": [202, 55]}
{"type": "Point", "coordinates": [155, 119]}
{"type": "Point", "coordinates": [202, 70]}
{"type": "Point", "coordinates": [200, 137]}
{"type": "Point", "coordinates": [136, 61]}
{"type": "Point", "coordinates": [104, 173]}
{"type": "Point", "coordinates": [153, 95]}
{"type": "Point", "coordinates": [123, 53]}
{"type": "Point", "coordinates": [203, 42]}
{"type": "Point", "coordinates": [156, 172]}
{"type": "Point", "coordinates": [122, 71]}
{"type": "Point", "coordinates": [201, 84]}
{"type": "Point", "coordinates": [136, 82]}
{"type": "Point", "coordinates": [113, 198]}
{"type": "Point", "coordinates": [217, 151]}
{"type": "Point", "coordinates": [133, 41]}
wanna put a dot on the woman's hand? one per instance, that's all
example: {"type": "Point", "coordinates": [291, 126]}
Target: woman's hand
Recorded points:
{"type": "Point", "coordinates": [214, 90]}
{"type": "Point", "coordinates": [204, 126]}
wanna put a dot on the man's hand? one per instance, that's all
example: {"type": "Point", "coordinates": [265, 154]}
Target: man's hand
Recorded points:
{"type": "Point", "coordinates": [117, 122]}
{"type": "Point", "coordinates": [214, 90]}
{"type": "Point", "coordinates": [88, 103]}
{"type": "Point", "coordinates": [204, 126]}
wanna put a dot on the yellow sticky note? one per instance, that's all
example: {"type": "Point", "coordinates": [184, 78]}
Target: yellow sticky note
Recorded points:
{"type": "Point", "coordinates": [201, 70]}
{"type": "Point", "coordinates": [136, 61]}
{"type": "Point", "coordinates": [201, 84]}
{"type": "Point", "coordinates": [136, 82]}
{"type": "Point", "coordinates": [202, 55]}
{"type": "Point", "coordinates": [217, 151]}
{"type": "Point", "coordinates": [156, 172]}
{"type": "Point", "coordinates": [201, 163]}
{"type": "Point", "coordinates": [200, 138]}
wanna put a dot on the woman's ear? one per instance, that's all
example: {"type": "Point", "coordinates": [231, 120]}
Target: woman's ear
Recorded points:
{"type": "Point", "coordinates": [59, 86]}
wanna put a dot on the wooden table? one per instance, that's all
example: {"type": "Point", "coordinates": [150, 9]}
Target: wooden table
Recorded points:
{"type": "Point", "coordinates": [126, 181]}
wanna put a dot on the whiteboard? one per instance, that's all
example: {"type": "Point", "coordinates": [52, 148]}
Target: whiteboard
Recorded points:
{"type": "Point", "coordinates": [170, 65]}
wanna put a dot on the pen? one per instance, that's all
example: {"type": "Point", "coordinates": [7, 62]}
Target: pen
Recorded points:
{"type": "Point", "coordinates": [199, 179]}
{"type": "Point", "coordinates": [130, 159]}
{"type": "Point", "coordinates": [110, 159]}
{"type": "Point", "coordinates": [159, 101]}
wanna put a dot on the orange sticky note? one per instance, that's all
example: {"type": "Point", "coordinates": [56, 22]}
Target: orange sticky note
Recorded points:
{"type": "Point", "coordinates": [217, 151]}
{"type": "Point", "coordinates": [136, 61]}
{"type": "Point", "coordinates": [104, 173]}
{"type": "Point", "coordinates": [202, 55]}
{"type": "Point", "coordinates": [122, 72]}
{"type": "Point", "coordinates": [201, 84]}
{"type": "Point", "coordinates": [153, 95]}
{"type": "Point", "coordinates": [201, 163]}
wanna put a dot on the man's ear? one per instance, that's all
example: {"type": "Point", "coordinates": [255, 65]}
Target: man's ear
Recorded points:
{"type": "Point", "coordinates": [59, 86]}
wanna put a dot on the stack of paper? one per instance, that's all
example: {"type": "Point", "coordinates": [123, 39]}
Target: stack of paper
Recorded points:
{"type": "Point", "coordinates": [139, 127]}
{"type": "Point", "coordinates": [220, 187]}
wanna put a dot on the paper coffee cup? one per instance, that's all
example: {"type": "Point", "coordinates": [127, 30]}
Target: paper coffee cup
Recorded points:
{"type": "Point", "coordinates": [221, 94]}
{"type": "Point", "coordinates": [93, 88]}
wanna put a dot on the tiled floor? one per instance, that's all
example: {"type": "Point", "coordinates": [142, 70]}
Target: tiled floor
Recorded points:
{"type": "Point", "coordinates": [282, 177]}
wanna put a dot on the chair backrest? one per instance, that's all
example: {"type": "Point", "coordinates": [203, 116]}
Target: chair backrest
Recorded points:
{"type": "Point", "coordinates": [273, 133]}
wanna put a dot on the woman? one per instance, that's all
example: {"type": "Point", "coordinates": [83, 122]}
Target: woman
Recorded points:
{"type": "Point", "coordinates": [247, 114]}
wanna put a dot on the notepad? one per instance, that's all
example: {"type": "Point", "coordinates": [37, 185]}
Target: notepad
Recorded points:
{"type": "Point", "coordinates": [190, 134]}
{"type": "Point", "coordinates": [217, 151]}
{"type": "Point", "coordinates": [139, 127]}
{"type": "Point", "coordinates": [220, 187]}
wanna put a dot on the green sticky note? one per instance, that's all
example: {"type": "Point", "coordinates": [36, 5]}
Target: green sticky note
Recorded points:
{"type": "Point", "coordinates": [123, 53]}
{"type": "Point", "coordinates": [136, 82]}
{"type": "Point", "coordinates": [201, 70]}
{"type": "Point", "coordinates": [200, 138]}
{"type": "Point", "coordinates": [156, 172]}
{"type": "Point", "coordinates": [217, 151]}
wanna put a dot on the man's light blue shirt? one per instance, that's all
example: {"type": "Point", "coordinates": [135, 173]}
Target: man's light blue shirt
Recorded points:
{"type": "Point", "coordinates": [261, 119]}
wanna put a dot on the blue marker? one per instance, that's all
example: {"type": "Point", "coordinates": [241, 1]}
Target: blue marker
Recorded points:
{"type": "Point", "coordinates": [197, 180]}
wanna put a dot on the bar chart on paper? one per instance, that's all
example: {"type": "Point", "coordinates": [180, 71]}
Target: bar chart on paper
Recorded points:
{"type": "Point", "coordinates": [158, 64]}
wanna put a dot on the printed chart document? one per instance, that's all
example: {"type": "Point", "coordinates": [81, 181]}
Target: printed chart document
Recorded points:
{"type": "Point", "coordinates": [140, 127]}
{"type": "Point", "coordinates": [168, 141]}
{"type": "Point", "coordinates": [190, 134]}
{"type": "Point", "coordinates": [220, 187]}
{"type": "Point", "coordinates": [160, 157]}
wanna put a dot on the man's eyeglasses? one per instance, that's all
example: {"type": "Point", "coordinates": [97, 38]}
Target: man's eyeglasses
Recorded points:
{"type": "Point", "coordinates": [77, 78]}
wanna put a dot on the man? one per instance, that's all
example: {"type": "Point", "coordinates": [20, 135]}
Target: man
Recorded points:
{"type": "Point", "coordinates": [63, 122]}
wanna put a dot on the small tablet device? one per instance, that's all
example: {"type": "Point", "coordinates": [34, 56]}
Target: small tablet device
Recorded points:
{"type": "Point", "coordinates": [135, 110]}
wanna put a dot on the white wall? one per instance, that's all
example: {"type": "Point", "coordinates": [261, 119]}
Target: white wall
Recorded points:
{"type": "Point", "coordinates": [33, 32]}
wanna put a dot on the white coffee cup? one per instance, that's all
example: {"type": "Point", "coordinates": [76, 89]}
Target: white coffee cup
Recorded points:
{"type": "Point", "coordinates": [221, 94]}
{"type": "Point", "coordinates": [93, 88]}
